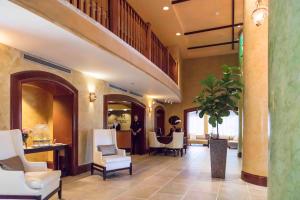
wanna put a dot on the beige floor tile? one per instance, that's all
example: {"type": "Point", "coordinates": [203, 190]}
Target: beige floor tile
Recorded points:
{"type": "Point", "coordinates": [159, 177]}
{"type": "Point", "coordinates": [166, 196]}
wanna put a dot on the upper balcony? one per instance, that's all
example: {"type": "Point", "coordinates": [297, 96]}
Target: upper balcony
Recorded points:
{"type": "Point", "coordinates": [111, 25]}
{"type": "Point", "coordinates": [121, 19]}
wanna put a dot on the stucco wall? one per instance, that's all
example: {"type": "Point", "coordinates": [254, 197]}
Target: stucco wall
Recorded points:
{"type": "Point", "coordinates": [90, 114]}
{"type": "Point", "coordinates": [194, 70]}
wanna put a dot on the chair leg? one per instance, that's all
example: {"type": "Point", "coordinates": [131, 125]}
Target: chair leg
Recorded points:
{"type": "Point", "coordinates": [60, 190]}
{"type": "Point", "coordinates": [104, 173]}
{"type": "Point", "coordinates": [181, 152]}
{"type": "Point", "coordinates": [174, 152]}
{"type": "Point", "coordinates": [130, 169]}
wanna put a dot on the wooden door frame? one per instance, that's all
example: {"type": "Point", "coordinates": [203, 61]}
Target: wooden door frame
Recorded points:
{"type": "Point", "coordinates": [185, 112]}
{"type": "Point", "coordinates": [16, 81]}
{"type": "Point", "coordinates": [155, 123]}
{"type": "Point", "coordinates": [121, 97]}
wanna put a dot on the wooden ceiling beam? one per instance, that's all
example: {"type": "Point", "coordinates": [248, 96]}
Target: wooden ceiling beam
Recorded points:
{"type": "Point", "coordinates": [232, 23]}
{"type": "Point", "coordinates": [213, 45]}
{"type": "Point", "coordinates": [178, 1]}
{"type": "Point", "coordinates": [212, 29]}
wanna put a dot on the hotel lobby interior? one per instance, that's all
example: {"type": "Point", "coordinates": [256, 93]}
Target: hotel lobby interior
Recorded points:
{"type": "Point", "coordinates": [149, 99]}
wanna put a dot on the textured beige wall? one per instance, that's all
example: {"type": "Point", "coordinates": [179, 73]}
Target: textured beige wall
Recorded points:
{"type": "Point", "coordinates": [255, 135]}
{"type": "Point", "coordinates": [90, 114]}
{"type": "Point", "coordinates": [194, 70]}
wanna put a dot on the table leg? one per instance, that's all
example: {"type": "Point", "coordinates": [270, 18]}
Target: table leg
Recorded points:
{"type": "Point", "coordinates": [56, 159]}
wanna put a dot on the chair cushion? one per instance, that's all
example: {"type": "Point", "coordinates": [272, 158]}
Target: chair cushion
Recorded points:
{"type": "Point", "coordinates": [116, 158]}
{"type": "Point", "coordinates": [12, 164]}
{"type": "Point", "coordinates": [107, 150]}
{"type": "Point", "coordinates": [40, 180]}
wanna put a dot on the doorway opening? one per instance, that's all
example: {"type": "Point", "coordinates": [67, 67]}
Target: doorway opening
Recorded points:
{"type": "Point", "coordinates": [159, 120]}
{"type": "Point", "coordinates": [119, 111]}
{"type": "Point", "coordinates": [47, 105]}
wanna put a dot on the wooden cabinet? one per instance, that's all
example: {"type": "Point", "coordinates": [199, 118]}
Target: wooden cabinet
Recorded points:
{"type": "Point", "coordinates": [124, 139]}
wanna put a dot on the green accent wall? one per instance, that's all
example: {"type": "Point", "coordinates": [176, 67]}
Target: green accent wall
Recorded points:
{"type": "Point", "coordinates": [284, 99]}
{"type": "Point", "coordinates": [241, 59]}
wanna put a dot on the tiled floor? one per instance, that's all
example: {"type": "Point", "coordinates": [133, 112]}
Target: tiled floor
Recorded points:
{"type": "Point", "coordinates": [160, 177]}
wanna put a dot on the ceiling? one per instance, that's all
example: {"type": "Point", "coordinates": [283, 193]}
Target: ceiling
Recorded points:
{"type": "Point", "coordinates": [190, 16]}
{"type": "Point", "coordinates": [51, 42]}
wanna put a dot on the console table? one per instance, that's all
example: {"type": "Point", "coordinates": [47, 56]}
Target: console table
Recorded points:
{"type": "Point", "coordinates": [55, 148]}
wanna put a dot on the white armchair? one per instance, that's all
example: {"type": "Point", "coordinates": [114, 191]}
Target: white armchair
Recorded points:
{"type": "Point", "coordinates": [108, 163]}
{"type": "Point", "coordinates": [36, 182]}
{"type": "Point", "coordinates": [154, 144]}
{"type": "Point", "coordinates": [177, 143]}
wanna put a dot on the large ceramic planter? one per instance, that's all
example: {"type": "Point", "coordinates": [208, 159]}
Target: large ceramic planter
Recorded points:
{"type": "Point", "coordinates": [218, 154]}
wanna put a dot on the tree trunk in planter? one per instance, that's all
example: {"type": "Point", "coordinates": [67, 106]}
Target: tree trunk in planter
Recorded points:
{"type": "Point", "coordinates": [218, 154]}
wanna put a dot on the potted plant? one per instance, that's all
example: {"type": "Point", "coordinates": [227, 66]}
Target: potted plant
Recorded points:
{"type": "Point", "coordinates": [216, 99]}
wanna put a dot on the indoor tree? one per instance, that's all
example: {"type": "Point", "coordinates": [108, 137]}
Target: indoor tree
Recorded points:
{"type": "Point", "coordinates": [220, 96]}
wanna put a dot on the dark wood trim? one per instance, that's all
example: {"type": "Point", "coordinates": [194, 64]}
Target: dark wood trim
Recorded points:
{"type": "Point", "coordinates": [212, 29]}
{"type": "Point", "coordinates": [178, 1]}
{"type": "Point", "coordinates": [84, 168]}
{"type": "Point", "coordinates": [232, 22]}
{"type": "Point", "coordinates": [185, 112]}
{"type": "Point", "coordinates": [20, 197]}
{"type": "Point", "coordinates": [254, 179]}
{"type": "Point", "coordinates": [212, 45]}
{"type": "Point", "coordinates": [155, 123]}
{"type": "Point", "coordinates": [16, 81]}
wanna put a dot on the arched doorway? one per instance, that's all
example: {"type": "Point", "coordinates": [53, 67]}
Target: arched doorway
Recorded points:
{"type": "Point", "coordinates": [65, 100]}
{"type": "Point", "coordinates": [159, 120]}
{"type": "Point", "coordinates": [137, 108]}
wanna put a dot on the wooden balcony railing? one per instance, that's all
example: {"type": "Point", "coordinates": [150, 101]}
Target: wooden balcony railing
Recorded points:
{"type": "Point", "coordinates": [120, 18]}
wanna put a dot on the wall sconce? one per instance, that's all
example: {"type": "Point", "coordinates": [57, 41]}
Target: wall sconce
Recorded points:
{"type": "Point", "coordinates": [92, 96]}
{"type": "Point", "coordinates": [260, 13]}
{"type": "Point", "coordinates": [149, 109]}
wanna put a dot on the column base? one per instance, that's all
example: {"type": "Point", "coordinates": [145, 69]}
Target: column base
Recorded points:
{"type": "Point", "coordinates": [254, 179]}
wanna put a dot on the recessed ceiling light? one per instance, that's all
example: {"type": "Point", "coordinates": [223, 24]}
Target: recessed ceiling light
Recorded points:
{"type": "Point", "coordinates": [165, 8]}
{"type": "Point", "coordinates": [217, 13]}
{"type": "Point", "coordinates": [178, 34]}
{"type": "Point", "coordinates": [239, 26]}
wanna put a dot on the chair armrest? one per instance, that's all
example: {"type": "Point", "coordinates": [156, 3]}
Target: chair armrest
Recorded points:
{"type": "Point", "coordinates": [97, 157]}
{"type": "Point", "coordinates": [14, 183]}
{"type": "Point", "coordinates": [35, 166]}
{"type": "Point", "coordinates": [121, 152]}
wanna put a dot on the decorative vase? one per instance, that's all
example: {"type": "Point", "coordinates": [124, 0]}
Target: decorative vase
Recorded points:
{"type": "Point", "coordinates": [218, 154]}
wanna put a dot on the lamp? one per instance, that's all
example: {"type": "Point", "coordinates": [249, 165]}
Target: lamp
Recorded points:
{"type": "Point", "coordinates": [259, 14]}
{"type": "Point", "coordinates": [92, 96]}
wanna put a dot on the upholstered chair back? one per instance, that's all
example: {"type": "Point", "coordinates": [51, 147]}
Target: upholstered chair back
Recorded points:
{"type": "Point", "coordinates": [11, 144]}
{"type": "Point", "coordinates": [103, 137]}
{"type": "Point", "coordinates": [152, 139]}
{"type": "Point", "coordinates": [177, 141]}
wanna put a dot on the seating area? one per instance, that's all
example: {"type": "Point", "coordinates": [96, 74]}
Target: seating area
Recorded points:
{"type": "Point", "coordinates": [149, 99]}
{"type": "Point", "coordinates": [232, 141]}
{"type": "Point", "coordinates": [175, 144]}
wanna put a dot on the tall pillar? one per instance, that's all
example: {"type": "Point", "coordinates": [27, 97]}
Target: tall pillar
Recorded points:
{"type": "Point", "coordinates": [255, 71]}
{"type": "Point", "coordinates": [284, 93]}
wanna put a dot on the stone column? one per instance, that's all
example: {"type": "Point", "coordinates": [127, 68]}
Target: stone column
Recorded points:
{"type": "Point", "coordinates": [284, 93]}
{"type": "Point", "coordinates": [255, 71]}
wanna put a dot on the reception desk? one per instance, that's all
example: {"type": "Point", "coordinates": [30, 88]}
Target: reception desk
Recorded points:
{"type": "Point", "coordinates": [124, 139]}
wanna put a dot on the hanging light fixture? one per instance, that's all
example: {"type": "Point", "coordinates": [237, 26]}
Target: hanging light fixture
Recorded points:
{"type": "Point", "coordinates": [260, 13]}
